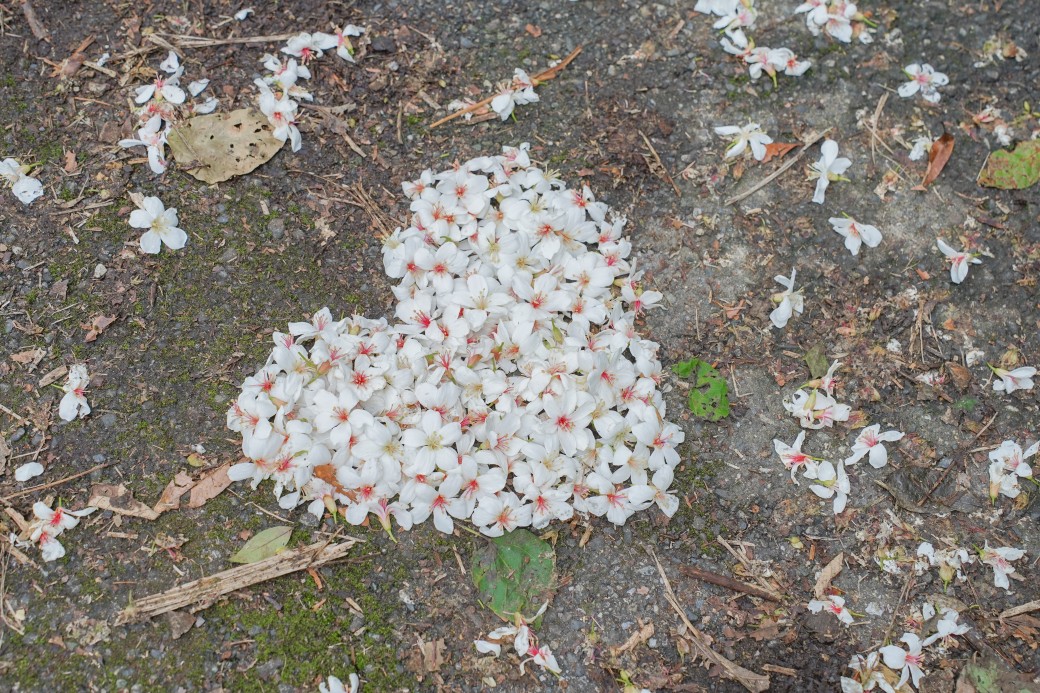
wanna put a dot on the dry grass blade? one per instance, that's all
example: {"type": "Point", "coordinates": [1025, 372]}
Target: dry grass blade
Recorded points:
{"type": "Point", "coordinates": [359, 197]}
{"type": "Point", "coordinates": [656, 166]}
{"type": "Point", "coordinates": [750, 680]}
{"type": "Point", "coordinates": [35, 25]}
{"type": "Point", "coordinates": [206, 590]}
{"type": "Point", "coordinates": [59, 482]}
{"type": "Point", "coordinates": [1020, 609]}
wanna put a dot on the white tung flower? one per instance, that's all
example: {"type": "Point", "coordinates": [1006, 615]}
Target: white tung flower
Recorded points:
{"type": "Point", "coordinates": [161, 225]}
{"type": "Point", "coordinates": [829, 168]}
{"type": "Point", "coordinates": [856, 234]}
{"type": "Point", "coordinates": [741, 138]}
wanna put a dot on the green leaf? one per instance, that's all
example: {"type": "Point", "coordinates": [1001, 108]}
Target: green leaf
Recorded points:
{"type": "Point", "coordinates": [264, 545]}
{"type": "Point", "coordinates": [684, 369]}
{"type": "Point", "coordinates": [515, 573]}
{"type": "Point", "coordinates": [816, 359]}
{"type": "Point", "coordinates": [1014, 170]}
{"type": "Point", "coordinates": [709, 398]}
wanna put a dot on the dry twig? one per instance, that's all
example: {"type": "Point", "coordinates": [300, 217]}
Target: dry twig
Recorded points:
{"type": "Point", "coordinates": [543, 76]}
{"type": "Point", "coordinates": [750, 680]}
{"type": "Point", "coordinates": [37, 28]}
{"type": "Point", "coordinates": [59, 482]}
{"type": "Point", "coordinates": [657, 166]}
{"type": "Point", "coordinates": [776, 174]}
{"type": "Point", "coordinates": [730, 583]}
{"type": "Point", "coordinates": [208, 589]}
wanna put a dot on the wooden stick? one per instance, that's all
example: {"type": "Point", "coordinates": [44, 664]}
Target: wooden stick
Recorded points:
{"type": "Point", "coordinates": [202, 41]}
{"type": "Point", "coordinates": [543, 76]}
{"type": "Point", "coordinates": [208, 589]}
{"type": "Point", "coordinates": [59, 482]}
{"type": "Point", "coordinates": [14, 415]}
{"type": "Point", "coordinates": [749, 679]}
{"type": "Point", "coordinates": [729, 583]}
{"type": "Point", "coordinates": [776, 174]}
{"type": "Point", "coordinates": [1019, 610]}
{"type": "Point", "coordinates": [37, 28]}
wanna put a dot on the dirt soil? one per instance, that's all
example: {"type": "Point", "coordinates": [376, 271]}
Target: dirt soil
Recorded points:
{"type": "Point", "coordinates": [290, 238]}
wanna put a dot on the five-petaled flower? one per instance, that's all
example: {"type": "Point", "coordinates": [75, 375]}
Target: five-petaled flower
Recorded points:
{"type": "Point", "coordinates": [869, 443]}
{"type": "Point", "coordinates": [829, 168]}
{"type": "Point", "coordinates": [924, 79]}
{"type": "Point", "coordinates": [856, 234]}
{"type": "Point", "coordinates": [999, 559]}
{"type": "Point", "coordinates": [959, 260]}
{"type": "Point", "coordinates": [741, 138]}
{"type": "Point", "coordinates": [161, 225]}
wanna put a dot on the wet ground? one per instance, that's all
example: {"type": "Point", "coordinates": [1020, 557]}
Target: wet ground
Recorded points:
{"type": "Point", "coordinates": [291, 237]}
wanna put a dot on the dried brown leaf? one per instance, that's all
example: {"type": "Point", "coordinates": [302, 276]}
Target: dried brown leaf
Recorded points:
{"type": "Point", "coordinates": [29, 357]}
{"type": "Point", "coordinates": [214, 148]}
{"type": "Point", "coordinates": [209, 486]}
{"type": "Point", "coordinates": [171, 495]}
{"type": "Point", "coordinates": [939, 154]}
{"type": "Point", "coordinates": [119, 500]}
{"type": "Point", "coordinates": [97, 325]}
{"type": "Point", "coordinates": [777, 150]}
{"type": "Point", "coordinates": [829, 572]}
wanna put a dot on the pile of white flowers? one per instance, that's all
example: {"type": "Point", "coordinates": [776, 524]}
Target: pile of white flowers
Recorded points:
{"type": "Point", "coordinates": [515, 389]}
{"type": "Point", "coordinates": [839, 19]}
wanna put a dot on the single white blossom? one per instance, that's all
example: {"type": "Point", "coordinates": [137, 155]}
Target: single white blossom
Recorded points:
{"type": "Point", "coordinates": [959, 261]}
{"type": "Point", "coordinates": [856, 234]}
{"type": "Point", "coordinates": [161, 225]}
{"type": "Point", "coordinates": [741, 138]}
{"type": "Point", "coordinates": [832, 604]}
{"type": "Point", "coordinates": [74, 403]}
{"type": "Point", "coordinates": [870, 443]}
{"type": "Point", "coordinates": [788, 301]}
{"type": "Point", "coordinates": [1010, 380]}
{"type": "Point", "coordinates": [924, 79]}
{"type": "Point", "coordinates": [829, 168]}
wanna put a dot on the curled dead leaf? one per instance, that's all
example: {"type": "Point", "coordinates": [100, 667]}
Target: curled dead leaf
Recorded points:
{"type": "Point", "coordinates": [938, 155]}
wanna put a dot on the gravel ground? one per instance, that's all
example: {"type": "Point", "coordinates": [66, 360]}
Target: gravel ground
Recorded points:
{"type": "Point", "coordinates": [191, 324]}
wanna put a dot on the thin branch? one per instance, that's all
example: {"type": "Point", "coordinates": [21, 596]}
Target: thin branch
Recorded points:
{"type": "Point", "coordinates": [776, 174]}
{"type": "Point", "coordinates": [543, 76]}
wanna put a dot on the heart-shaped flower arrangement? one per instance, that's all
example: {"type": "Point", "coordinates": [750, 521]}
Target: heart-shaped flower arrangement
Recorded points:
{"type": "Point", "coordinates": [515, 389]}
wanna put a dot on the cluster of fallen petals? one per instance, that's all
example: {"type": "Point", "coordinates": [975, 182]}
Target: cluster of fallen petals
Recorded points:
{"type": "Point", "coordinates": [162, 103]}
{"type": "Point", "coordinates": [839, 19]}
{"type": "Point", "coordinates": [514, 390]}
{"type": "Point", "coordinates": [280, 86]}
{"type": "Point", "coordinates": [26, 188]}
{"type": "Point", "coordinates": [734, 19]}
{"type": "Point", "coordinates": [815, 407]}
{"type": "Point", "coordinates": [899, 668]}
{"type": "Point", "coordinates": [525, 642]}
